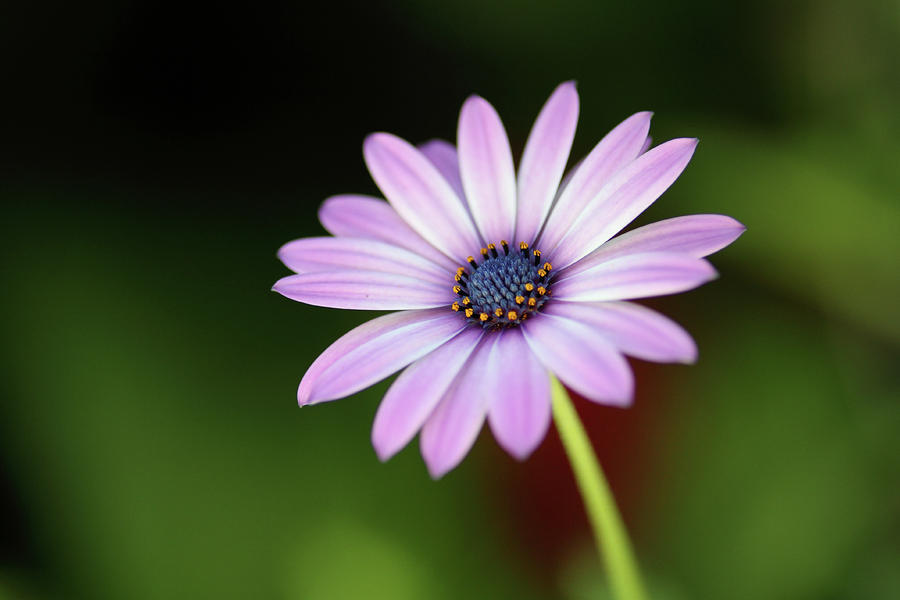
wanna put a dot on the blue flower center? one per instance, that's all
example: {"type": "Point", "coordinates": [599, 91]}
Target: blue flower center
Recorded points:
{"type": "Point", "coordinates": [504, 288]}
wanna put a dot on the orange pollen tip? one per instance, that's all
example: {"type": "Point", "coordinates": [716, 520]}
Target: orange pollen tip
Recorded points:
{"type": "Point", "coordinates": [491, 246]}
{"type": "Point", "coordinates": [547, 266]}
{"type": "Point", "coordinates": [523, 246]}
{"type": "Point", "coordinates": [537, 252]}
{"type": "Point", "coordinates": [469, 312]}
{"type": "Point", "coordinates": [484, 251]}
{"type": "Point", "coordinates": [542, 273]}
{"type": "Point", "coordinates": [455, 306]}
{"type": "Point", "coordinates": [456, 289]}
{"type": "Point", "coordinates": [499, 312]}
{"type": "Point", "coordinates": [532, 302]}
{"type": "Point", "coordinates": [466, 301]}
{"type": "Point", "coordinates": [458, 277]}
{"type": "Point", "coordinates": [512, 315]}
{"type": "Point", "coordinates": [484, 316]}
{"type": "Point", "coordinates": [542, 290]}
{"type": "Point", "coordinates": [529, 286]}
{"type": "Point", "coordinates": [520, 299]}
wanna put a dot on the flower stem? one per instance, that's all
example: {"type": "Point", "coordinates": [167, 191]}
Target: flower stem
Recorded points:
{"type": "Point", "coordinates": [609, 532]}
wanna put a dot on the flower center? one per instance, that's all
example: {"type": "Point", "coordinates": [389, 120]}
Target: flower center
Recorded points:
{"type": "Point", "coordinates": [504, 288]}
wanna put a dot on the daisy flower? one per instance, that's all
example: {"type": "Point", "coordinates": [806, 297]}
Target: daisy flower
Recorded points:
{"type": "Point", "coordinates": [501, 278]}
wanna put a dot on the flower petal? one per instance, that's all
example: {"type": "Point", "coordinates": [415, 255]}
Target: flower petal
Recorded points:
{"type": "Point", "coordinates": [583, 360]}
{"type": "Point", "coordinates": [486, 167]}
{"type": "Point", "coordinates": [413, 396]}
{"type": "Point", "coordinates": [364, 290]}
{"type": "Point", "coordinates": [322, 254]}
{"type": "Point", "coordinates": [635, 276]}
{"type": "Point", "coordinates": [647, 143]}
{"type": "Point", "coordinates": [627, 194]}
{"type": "Point", "coordinates": [619, 147]}
{"type": "Point", "coordinates": [566, 179]}
{"type": "Point", "coordinates": [544, 160]}
{"type": "Point", "coordinates": [520, 416]}
{"type": "Point", "coordinates": [453, 426]}
{"type": "Point", "coordinates": [443, 156]}
{"type": "Point", "coordinates": [634, 329]}
{"type": "Point", "coordinates": [374, 219]}
{"type": "Point", "coordinates": [375, 350]}
{"type": "Point", "coordinates": [694, 235]}
{"type": "Point", "coordinates": [420, 195]}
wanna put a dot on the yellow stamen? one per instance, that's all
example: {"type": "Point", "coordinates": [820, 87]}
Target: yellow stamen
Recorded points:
{"type": "Point", "coordinates": [537, 253]}
{"type": "Point", "coordinates": [512, 315]}
{"type": "Point", "coordinates": [466, 301]}
{"type": "Point", "coordinates": [520, 299]}
{"type": "Point", "coordinates": [484, 317]}
{"type": "Point", "coordinates": [455, 306]}
{"type": "Point", "coordinates": [484, 251]}
{"type": "Point", "coordinates": [456, 289]}
{"type": "Point", "coordinates": [542, 272]}
{"type": "Point", "coordinates": [469, 312]}
{"type": "Point", "coordinates": [499, 312]}
{"type": "Point", "coordinates": [532, 302]}
{"type": "Point", "coordinates": [542, 290]}
{"type": "Point", "coordinates": [529, 286]}
{"type": "Point", "coordinates": [547, 266]}
{"type": "Point", "coordinates": [523, 246]}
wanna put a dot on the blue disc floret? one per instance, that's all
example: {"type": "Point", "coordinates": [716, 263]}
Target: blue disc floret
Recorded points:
{"type": "Point", "coordinates": [504, 287]}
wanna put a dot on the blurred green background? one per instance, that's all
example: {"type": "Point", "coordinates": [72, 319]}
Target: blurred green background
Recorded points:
{"type": "Point", "coordinates": [156, 154]}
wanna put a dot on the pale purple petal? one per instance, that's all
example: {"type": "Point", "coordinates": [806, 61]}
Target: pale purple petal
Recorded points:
{"type": "Point", "coordinates": [647, 143]}
{"type": "Point", "coordinates": [636, 276]}
{"type": "Point", "coordinates": [582, 360]}
{"type": "Point", "coordinates": [627, 194]}
{"type": "Point", "coordinates": [619, 147]}
{"type": "Point", "coordinates": [326, 254]}
{"type": "Point", "coordinates": [695, 235]}
{"type": "Point", "coordinates": [544, 160]}
{"type": "Point", "coordinates": [364, 290]}
{"type": "Point", "coordinates": [634, 329]}
{"type": "Point", "coordinates": [487, 171]}
{"type": "Point", "coordinates": [420, 195]}
{"type": "Point", "coordinates": [442, 155]}
{"type": "Point", "coordinates": [453, 426]}
{"type": "Point", "coordinates": [520, 416]}
{"type": "Point", "coordinates": [374, 219]}
{"type": "Point", "coordinates": [413, 396]}
{"type": "Point", "coordinates": [375, 350]}
{"type": "Point", "coordinates": [566, 179]}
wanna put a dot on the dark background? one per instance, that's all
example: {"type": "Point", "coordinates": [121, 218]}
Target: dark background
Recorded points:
{"type": "Point", "coordinates": [156, 154]}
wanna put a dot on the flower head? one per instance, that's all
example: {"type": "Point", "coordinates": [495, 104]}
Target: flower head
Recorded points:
{"type": "Point", "coordinates": [500, 277]}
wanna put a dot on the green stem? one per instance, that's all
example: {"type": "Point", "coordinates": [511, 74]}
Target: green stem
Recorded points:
{"type": "Point", "coordinates": [609, 532]}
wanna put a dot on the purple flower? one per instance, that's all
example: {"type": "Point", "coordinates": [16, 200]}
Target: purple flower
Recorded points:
{"type": "Point", "coordinates": [500, 277]}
